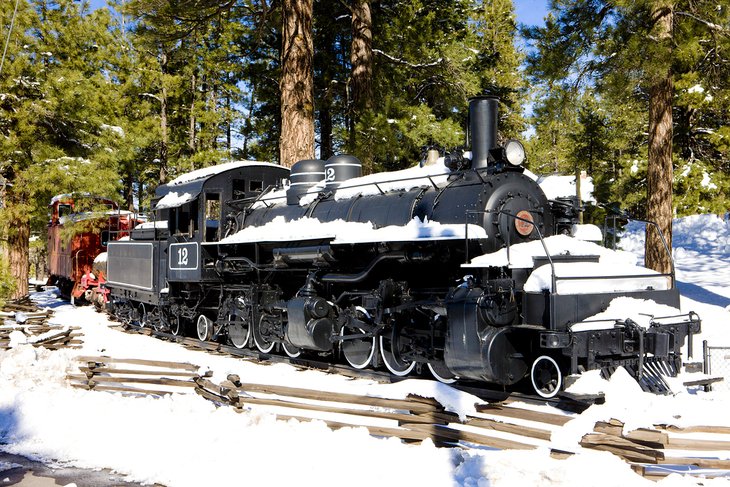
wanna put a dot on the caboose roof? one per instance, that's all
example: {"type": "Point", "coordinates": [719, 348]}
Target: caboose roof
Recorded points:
{"type": "Point", "coordinates": [187, 187]}
{"type": "Point", "coordinates": [208, 172]}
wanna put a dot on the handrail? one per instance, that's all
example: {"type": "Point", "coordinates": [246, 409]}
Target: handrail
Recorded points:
{"type": "Point", "coordinates": [554, 278]}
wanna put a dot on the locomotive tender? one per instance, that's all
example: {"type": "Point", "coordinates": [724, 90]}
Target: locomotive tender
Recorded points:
{"type": "Point", "coordinates": [377, 269]}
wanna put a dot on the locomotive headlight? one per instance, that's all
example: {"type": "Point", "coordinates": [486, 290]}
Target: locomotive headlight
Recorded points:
{"type": "Point", "coordinates": [514, 151]}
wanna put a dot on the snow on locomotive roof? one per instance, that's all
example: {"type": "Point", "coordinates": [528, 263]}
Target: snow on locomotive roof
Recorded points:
{"type": "Point", "coordinates": [217, 169]}
{"type": "Point", "coordinates": [521, 255]}
{"type": "Point", "coordinates": [280, 230]}
{"type": "Point", "coordinates": [405, 179]}
{"type": "Point", "coordinates": [174, 199]}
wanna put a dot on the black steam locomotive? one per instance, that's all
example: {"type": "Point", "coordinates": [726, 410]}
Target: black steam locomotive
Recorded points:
{"type": "Point", "coordinates": [372, 269]}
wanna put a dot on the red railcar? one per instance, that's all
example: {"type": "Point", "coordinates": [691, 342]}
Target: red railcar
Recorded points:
{"type": "Point", "coordinates": [71, 251]}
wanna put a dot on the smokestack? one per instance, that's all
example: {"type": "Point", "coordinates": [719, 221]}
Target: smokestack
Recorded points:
{"type": "Point", "coordinates": [482, 128]}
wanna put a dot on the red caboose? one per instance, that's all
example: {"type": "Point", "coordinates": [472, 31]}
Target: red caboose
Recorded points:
{"type": "Point", "coordinates": [71, 251]}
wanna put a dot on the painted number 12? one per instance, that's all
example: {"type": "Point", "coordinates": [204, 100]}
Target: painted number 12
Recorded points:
{"type": "Point", "coordinates": [182, 256]}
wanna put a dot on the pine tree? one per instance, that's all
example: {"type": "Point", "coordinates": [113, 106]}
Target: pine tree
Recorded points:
{"type": "Point", "coordinates": [52, 116]}
{"type": "Point", "coordinates": [644, 46]}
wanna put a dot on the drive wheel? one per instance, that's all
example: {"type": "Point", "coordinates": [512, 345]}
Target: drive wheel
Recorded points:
{"type": "Point", "coordinates": [390, 352]}
{"type": "Point", "coordinates": [441, 373]}
{"type": "Point", "coordinates": [358, 352]}
{"type": "Point", "coordinates": [239, 331]}
{"type": "Point", "coordinates": [262, 342]}
{"type": "Point", "coordinates": [291, 350]}
{"type": "Point", "coordinates": [546, 377]}
{"type": "Point", "coordinates": [204, 328]}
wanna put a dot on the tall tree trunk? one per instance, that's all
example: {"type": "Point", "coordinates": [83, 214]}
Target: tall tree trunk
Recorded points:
{"type": "Point", "coordinates": [361, 56]}
{"type": "Point", "coordinates": [18, 232]}
{"type": "Point", "coordinates": [163, 122]}
{"type": "Point", "coordinates": [297, 83]}
{"type": "Point", "coordinates": [325, 127]}
{"type": "Point", "coordinates": [361, 60]}
{"type": "Point", "coordinates": [659, 172]}
{"type": "Point", "coordinates": [191, 123]}
{"type": "Point", "coordinates": [129, 191]}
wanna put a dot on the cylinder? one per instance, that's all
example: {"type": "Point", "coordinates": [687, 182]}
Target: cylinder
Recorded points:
{"type": "Point", "coordinates": [339, 169]}
{"type": "Point", "coordinates": [482, 129]}
{"type": "Point", "coordinates": [304, 175]}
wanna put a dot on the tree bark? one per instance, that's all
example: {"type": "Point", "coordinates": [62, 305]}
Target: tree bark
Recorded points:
{"type": "Point", "coordinates": [297, 83]}
{"type": "Point", "coordinates": [361, 78]}
{"type": "Point", "coordinates": [361, 56]}
{"type": "Point", "coordinates": [163, 121]}
{"type": "Point", "coordinates": [18, 244]}
{"type": "Point", "coordinates": [660, 171]}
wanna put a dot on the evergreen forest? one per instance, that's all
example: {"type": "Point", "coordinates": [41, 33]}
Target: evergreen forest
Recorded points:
{"type": "Point", "coordinates": [116, 100]}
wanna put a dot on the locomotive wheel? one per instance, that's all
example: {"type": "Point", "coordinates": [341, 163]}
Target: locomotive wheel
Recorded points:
{"type": "Point", "coordinates": [546, 377]}
{"type": "Point", "coordinates": [142, 319]}
{"type": "Point", "coordinates": [239, 331]}
{"type": "Point", "coordinates": [291, 350]}
{"type": "Point", "coordinates": [358, 353]}
{"type": "Point", "coordinates": [391, 356]}
{"type": "Point", "coordinates": [441, 373]}
{"type": "Point", "coordinates": [264, 345]}
{"type": "Point", "coordinates": [177, 326]}
{"type": "Point", "coordinates": [204, 328]}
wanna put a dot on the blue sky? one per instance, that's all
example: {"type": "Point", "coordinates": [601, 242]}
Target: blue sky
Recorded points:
{"type": "Point", "coordinates": [531, 12]}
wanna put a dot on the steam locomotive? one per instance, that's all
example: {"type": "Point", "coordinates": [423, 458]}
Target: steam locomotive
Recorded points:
{"type": "Point", "coordinates": [382, 270]}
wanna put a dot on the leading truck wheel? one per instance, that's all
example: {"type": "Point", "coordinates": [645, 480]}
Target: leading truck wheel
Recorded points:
{"type": "Point", "coordinates": [204, 328]}
{"type": "Point", "coordinates": [546, 377]}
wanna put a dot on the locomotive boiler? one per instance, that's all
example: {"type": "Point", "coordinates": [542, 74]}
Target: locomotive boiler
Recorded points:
{"type": "Point", "coordinates": [384, 270]}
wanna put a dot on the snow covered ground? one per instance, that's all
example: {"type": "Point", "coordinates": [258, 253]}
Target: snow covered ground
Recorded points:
{"type": "Point", "coordinates": [184, 440]}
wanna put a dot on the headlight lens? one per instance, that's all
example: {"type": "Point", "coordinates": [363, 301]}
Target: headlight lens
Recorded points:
{"type": "Point", "coordinates": [514, 152]}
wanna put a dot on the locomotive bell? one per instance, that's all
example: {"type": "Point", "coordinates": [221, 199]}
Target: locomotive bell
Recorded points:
{"type": "Point", "coordinates": [339, 169]}
{"type": "Point", "coordinates": [483, 111]}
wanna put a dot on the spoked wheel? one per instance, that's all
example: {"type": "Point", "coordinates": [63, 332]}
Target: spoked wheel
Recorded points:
{"type": "Point", "coordinates": [204, 328]}
{"type": "Point", "coordinates": [177, 326]}
{"type": "Point", "coordinates": [262, 342]}
{"type": "Point", "coordinates": [239, 331]}
{"type": "Point", "coordinates": [441, 373]}
{"type": "Point", "coordinates": [390, 351]}
{"type": "Point", "coordinates": [291, 350]}
{"type": "Point", "coordinates": [546, 377]}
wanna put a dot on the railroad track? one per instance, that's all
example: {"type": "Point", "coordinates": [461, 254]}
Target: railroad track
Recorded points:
{"type": "Point", "coordinates": [651, 452]}
{"type": "Point", "coordinates": [32, 323]}
{"type": "Point", "coordinates": [565, 401]}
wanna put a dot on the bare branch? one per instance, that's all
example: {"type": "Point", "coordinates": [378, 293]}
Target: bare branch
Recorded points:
{"type": "Point", "coordinates": [710, 25]}
{"type": "Point", "coordinates": [406, 63]}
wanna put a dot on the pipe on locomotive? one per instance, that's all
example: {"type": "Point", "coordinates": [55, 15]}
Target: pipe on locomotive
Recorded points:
{"type": "Point", "coordinates": [482, 129]}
